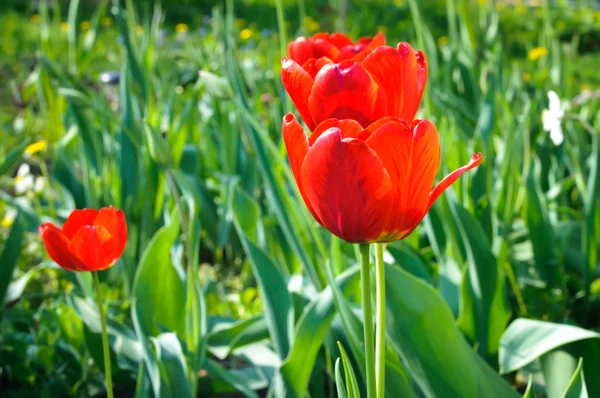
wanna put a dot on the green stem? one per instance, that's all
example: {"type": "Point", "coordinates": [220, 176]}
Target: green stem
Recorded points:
{"type": "Point", "coordinates": [107, 369]}
{"type": "Point", "coordinates": [380, 323]}
{"type": "Point", "coordinates": [365, 277]}
{"type": "Point", "coordinates": [282, 39]}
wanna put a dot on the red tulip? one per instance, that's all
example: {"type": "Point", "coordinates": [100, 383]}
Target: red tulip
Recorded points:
{"type": "Point", "coordinates": [387, 82]}
{"type": "Point", "coordinates": [368, 185]}
{"type": "Point", "coordinates": [336, 46]}
{"type": "Point", "coordinates": [90, 240]}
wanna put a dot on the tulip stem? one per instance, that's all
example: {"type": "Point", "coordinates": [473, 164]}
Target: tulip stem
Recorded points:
{"type": "Point", "coordinates": [105, 346]}
{"type": "Point", "coordinates": [365, 277]}
{"type": "Point", "coordinates": [380, 323]}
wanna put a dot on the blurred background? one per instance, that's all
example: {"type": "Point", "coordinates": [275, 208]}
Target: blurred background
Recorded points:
{"type": "Point", "coordinates": [171, 110]}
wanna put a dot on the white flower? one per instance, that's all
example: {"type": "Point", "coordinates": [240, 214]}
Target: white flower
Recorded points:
{"type": "Point", "coordinates": [24, 180]}
{"type": "Point", "coordinates": [551, 118]}
{"type": "Point", "coordinates": [39, 185]}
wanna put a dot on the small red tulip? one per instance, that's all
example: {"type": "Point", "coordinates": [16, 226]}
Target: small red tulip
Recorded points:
{"type": "Point", "coordinates": [335, 46]}
{"type": "Point", "coordinates": [386, 82]}
{"type": "Point", "coordinates": [90, 240]}
{"type": "Point", "coordinates": [368, 185]}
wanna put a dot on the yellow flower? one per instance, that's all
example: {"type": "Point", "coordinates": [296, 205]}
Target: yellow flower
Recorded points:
{"type": "Point", "coordinates": [35, 18]}
{"type": "Point", "coordinates": [181, 28]}
{"type": "Point", "coordinates": [7, 221]}
{"type": "Point", "coordinates": [246, 34]}
{"type": "Point", "coordinates": [311, 24]}
{"type": "Point", "coordinates": [585, 87]}
{"type": "Point", "coordinates": [85, 25]}
{"type": "Point", "coordinates": [399, 3]}
{"type": "Point", "coordinates": [442, 41]}
{"type": "Point", "coordinates": [536, 53]}
{"type": "Point", "coordinates": [39, 146]}
{"type": "Point", "coordinates": [521, 8]}
{"type": "Point", "coordinates": [382, 29]}
{"type": "Point", "coordinates": [481, 2]}
{"type": "Point", "coordinates": [526, 77]}
{"type": "Point", "coordinates": [139, 29]}
{"type": "Point", "coordinates": [106, 21]}
{"type": "Point", "coordinates": [500, 6]}
{"type": "Point", "coordinates": [64, 27]}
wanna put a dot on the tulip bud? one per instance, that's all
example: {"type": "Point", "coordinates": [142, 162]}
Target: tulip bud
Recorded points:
{"type": "Point", "coordinates": [159, 149]}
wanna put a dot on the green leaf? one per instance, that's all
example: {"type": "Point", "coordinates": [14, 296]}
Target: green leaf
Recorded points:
{"type": "Point", "coordinates": [526, 340]}
{"type": "Point", "coordinates": [541, 230]}
{"type": "Point", "coordinates": [484, 311]}
{"type": "Point", "coordinates": [276, 299]}
{"type": "Point", "coordinates": [339, 382]}
{"type": "Point", "coordinates": [529, 391]}
{"type": "Point", "coordinates": [16, 288]}
{"type": "Point", "coordinates": [311, 331]}
{"type": "Point", "coordinates": [351, 383]}
{"type": "Point", "coordinates": [12, 157]}
{"type": "Point", "coordinates": [10, 255]}
{"type": "Point", "coordinates": [417, 317]}
{"type": "Point", "coordinates": [576, 388]}
{"type": "Point", "coordinates": [226, 336]}
{"type": "Point", "coordinates": [557, 366]}
{"type": "Point", "coordinates": [157, 279]}
{"type": "Point", "coordinates": [173, 369]}
{"type": "Point", "coordinates": [216, 370]}
{"type": "Point", "coordinates": [409, 260]}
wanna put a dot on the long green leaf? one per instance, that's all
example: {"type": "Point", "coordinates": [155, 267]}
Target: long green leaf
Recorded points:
{"type": "Point", "coordinates": [576, 388]}
{"type": "Point", "coordinates": [417, 318]}
{"type": "Point", "coordinates": [157, 279]}
{"type": "Point", "coordinates": [484, 311]}
{"type": "Point", "coordinates": [277, 303]}
{"type": "Point", "coordinates": [310, 333]}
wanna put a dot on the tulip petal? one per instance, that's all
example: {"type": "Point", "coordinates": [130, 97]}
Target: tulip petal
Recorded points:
{"type": "Point", "coordinates": [296, 144]}
{"type": "Point", "coordinates": [423, 72]}
{"type": "Point", "coordinates": [114, 222]}
{"type": "Point", "coordinates": [411, 156]}
{"type": "Point", "coordinates": [370, 44]}
{"type": "Point", "coordinates": [58, 247]}
{"type": "Point", "coordinates": [343, 91]}
{"type": "Point", "coordinates": [78, 219]}
{"type": "Point", "coordinates": [95, 247]}
{"type": "Point", "coordinates": [450, 178]}
{"type": "Point", "coordinates": [323, 47]}
{"type": "Point", "coordinates": [350, 129]}
{"type": "Point", "coordinates": [348, 187]}
{"type": "Point", "coordinates": [300, 50]}
{"type": "Point", "coordinates": [298, 84]}
{"type": "Point", "coordinates": [314, 65]}
{"type": "Point", "coordinates": [339, 40]}
{"type": "Point", "coordinates": [395, 71]}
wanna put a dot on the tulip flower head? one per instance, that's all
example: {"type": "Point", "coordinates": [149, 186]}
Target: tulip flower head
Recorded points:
{"type": "Point", "coordinates": [384, 82]}
{"type": "Point", "coordinates": [90, 240]}
{"type": "Point", "coordinates": [335, 46]}
{"type": "Point", "coordinates": [370, 184]}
